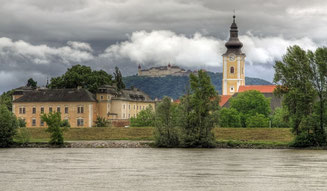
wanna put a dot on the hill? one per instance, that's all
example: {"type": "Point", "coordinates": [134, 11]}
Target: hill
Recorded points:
{"type": "Point", "coordinates": [175, 86]}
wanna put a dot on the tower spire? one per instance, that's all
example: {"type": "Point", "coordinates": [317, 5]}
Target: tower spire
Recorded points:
{"type": "Point", "coordinates": [234, 44]}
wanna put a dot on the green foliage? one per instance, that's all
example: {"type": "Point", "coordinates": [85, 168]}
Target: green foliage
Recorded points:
{"type": "Point", "coordinates": [166, 132]}
{"type": "Point", "coordinates": [174, 86]}
{"type": "Point", "coordinates": [83, 76]}
{"type": "Point", "coordinates": [303, 77]}
{"type": "Point", "coordinates": [102, 122]}
{"type": "Point", "coordinates": [8, 126]}
{"type": "Point", "coordinates": [31, 83]}
{"type": "Point", "coordinates": [229, 117]}
{"type": "Point", "coordinates": [250, 103]}
{"type": "Point", "coordinates": [65, 123]}
{"type": "Point", "coordinates": [257, 120]}
{"type": "Point", "coordinates": [144, 118]}
{"type": "Point", "coordinates": [119, 79]}
{"type": "Point", "coordinates": [23, 136]}
{"type": "Point", "coordinates": [54, 123]}
{"type": "Point", "coordinates": [21, 122]}
{"type": "Point", "coordinates": [6, 98]}
{"type": "Point", "coordinates": [279, 118]}
{"type": "Point", "coordinates": [197, 114]}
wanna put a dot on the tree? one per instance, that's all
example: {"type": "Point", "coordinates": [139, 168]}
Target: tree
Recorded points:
{"type": "Point", "coordinates": [54, 122]}
{"type": "Point", "coordinates": [249, 103]}
{"type": "Point", "coordinates": [257, 120]}
{"type": "Point", "coordinates": [119, 79]}
{"type": "Point", "coordinates": [6, 99]}
{"type": "Point", "coordinates": [166, 131]}
{"type": "Point", "coordinates": [229, 117]}
{"type": "Point", "coordinates": [31, 83]}
{"type": "Point", "coordinates": [102, 122]}
{"type": "Point", "coordinates": [8, 126]}
{"type": "Point", "coordinates": [144, 118]}
{"type": "Point", "coordinates": [83, 76]}
{"type": "Point", "coordinates": [279, 118]}
{"type": "Point", "coordinates": [198, 111]}
{"type": "Point", "coordinates": [302, 79]}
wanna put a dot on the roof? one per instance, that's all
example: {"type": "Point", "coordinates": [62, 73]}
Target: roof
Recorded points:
{"type": "Point", "coordinates": [224, 99]}
{"type": "Point", "coordinates": [57, 95]}
{"type": "Point", "coordinates": [132, 94]}
{"type": "Point", "coordinates": [260, 88]}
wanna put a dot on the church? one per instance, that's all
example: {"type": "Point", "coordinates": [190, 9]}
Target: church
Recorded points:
{"type": "Point", "coordinates": [233, 81]}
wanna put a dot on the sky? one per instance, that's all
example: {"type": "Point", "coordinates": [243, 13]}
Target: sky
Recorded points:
{"type": "Point", "coordinates": [42, 38]}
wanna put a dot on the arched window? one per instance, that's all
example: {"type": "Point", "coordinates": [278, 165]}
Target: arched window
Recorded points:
{"type": "Point", "coordinates": [232, 70]}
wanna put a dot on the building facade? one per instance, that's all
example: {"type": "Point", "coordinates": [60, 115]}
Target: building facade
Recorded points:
{"type": "Point", "coordinates": [233, 63]}
{"type": "Point", "coordinates": [162, 71]}
{"type": "Point", "coordinates": [79, 106]}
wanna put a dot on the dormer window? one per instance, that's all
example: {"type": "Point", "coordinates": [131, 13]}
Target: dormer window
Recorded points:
{"type": "Point", "coordinates": [232, 70]}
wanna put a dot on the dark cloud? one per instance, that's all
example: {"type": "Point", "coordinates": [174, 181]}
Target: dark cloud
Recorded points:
{"type": "Point", "coordinates": [42, 38]}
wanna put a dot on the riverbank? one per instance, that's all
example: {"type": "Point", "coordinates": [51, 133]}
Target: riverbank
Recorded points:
{"type": "Point", "coordinates": [142, 137]}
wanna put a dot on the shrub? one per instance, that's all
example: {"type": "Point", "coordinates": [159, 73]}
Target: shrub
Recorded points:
{"type": "Point", "coordinates": [303, 140]}
{"type": "Point", "coordinates": [258, 120]}
{"type": "Point", "coordinates": [23, 136]}
{"type": "Point", "coordinates": [144, 118]}
{"type": "Point", "coordinates": [102, 122]}
{"type": "Point", "coordinates": [21, 122]}
{"type": "Point", "coordinates": [65, 123]}
{"type": "Point", "coordinates": [54, 122]}
{"type": "Point", "coordinates": [278, 118]}
{"type": "Point", "coordinates": [229, 117]}
{"type": "Point", "coordinates": [8, 126]}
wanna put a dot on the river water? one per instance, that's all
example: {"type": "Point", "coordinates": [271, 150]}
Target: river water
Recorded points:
{"type": "Point", "coordinates": [162, 169]}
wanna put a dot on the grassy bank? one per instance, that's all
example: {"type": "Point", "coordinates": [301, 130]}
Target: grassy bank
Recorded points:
{"type": "Point", "coordinates": [226, 137]}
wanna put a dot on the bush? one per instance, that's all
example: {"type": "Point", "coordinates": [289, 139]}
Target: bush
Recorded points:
{"type": "Point", "coordinates": [278, 118]}
{"type": "Point", "coordinates": [23, 136]}
{"type": "Point", "coordinates": [21, 122]}
{"type": "Point", "coordinates": [8, 126]}
{"type": "Point", "coordinates": [102, 122]}
{"type": "Point", "coordinates": [258, 120]}
{"type": "Point", "coordinates": [229, 117]}
{"type": "Point", "coordinates": [54, 122]}
{"type": "Point", "coordinates": [303, 140]}
{"type": "Point", "coordinates": [65, 123]}
{"type": "Point", "coordinates": [166, 132]}
{"type": "Point", "coordinates": [144, 119]}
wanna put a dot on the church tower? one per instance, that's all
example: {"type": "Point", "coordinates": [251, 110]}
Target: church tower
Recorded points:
{"type": "Point", "coordinates": [233, 63]}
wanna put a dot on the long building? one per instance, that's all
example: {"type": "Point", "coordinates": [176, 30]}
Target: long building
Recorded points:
{"type": "Point", "coordinates": [79, 106]}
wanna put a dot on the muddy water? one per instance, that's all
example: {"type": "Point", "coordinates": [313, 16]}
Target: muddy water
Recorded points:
{"type": "Point", "coordinates": [162, 169]}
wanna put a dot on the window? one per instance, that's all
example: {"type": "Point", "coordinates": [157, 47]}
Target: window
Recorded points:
{"type": "Point", "coordinates": [124, 116]}
{"type": "Point", "coordinates": [34, 110]}
{"type": "Point", "coordinates": [58, 109]}
{"type": "Point", "coordinates": [66, 109]}
{"type": "Point", "coordinates": [101, 97]}
{"type": "Point", "coordinates": [129, 106]}
{"type": "Point", "coordinates": [80, 122]}
{"type": "Point", "coordinates": [137, 107]}
{"type": "Point", "coordinates": [124, 106]}
{"type": "Point", "coordinates": [33, 122]}
{"type": "Point", "coordinates": [242, 70]}
{"type": "Point", "coordinates": [108, 97]}
{"type": "Point", "coordinates": [232, 70]}
{"type": "Point", "coordinates": [50, 109]}
{"type": "Point", "coordinates": [129, 115]}
{"type": "Point", "coordinates": [41, 123]}
{"type": "Point", "coordinates": [22, 110]}
{"type": "Point", "coordinates": [80, 109]}
{"type": "Point", "coordinates": [42, 109]}
{"type": "Point", "coordinates": [143, 107]}
{"type": "Point", "coordinates": [232, 88]}
{"type": "Point", "coordinates": [134, 106]}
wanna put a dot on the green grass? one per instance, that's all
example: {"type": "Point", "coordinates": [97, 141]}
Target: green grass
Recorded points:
{"type": "Point", "coordinates": [229, 136]}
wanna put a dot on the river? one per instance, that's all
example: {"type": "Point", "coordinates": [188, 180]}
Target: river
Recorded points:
{"type": "Point", "coordinates": [162, 169]}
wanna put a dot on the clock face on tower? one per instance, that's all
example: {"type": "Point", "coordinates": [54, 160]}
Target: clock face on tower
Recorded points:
{"type": "Point", "coordinates": [231, 57]}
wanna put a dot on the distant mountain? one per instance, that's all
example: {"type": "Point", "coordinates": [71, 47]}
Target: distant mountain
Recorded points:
{"type": "Point", "coordinates": [175, 86]}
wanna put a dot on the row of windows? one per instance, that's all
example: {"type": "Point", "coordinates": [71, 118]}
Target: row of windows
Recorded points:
{"type": "Point", "coordinates": [22, 110]}
{"type": "Point", "coordinates": [135, 107]}
{"type": "Point", "coordinates": [129, 115]}
{"type": "Point", "coordinates": [80, 122]}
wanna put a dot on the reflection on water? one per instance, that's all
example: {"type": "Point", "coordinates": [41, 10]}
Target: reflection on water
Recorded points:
{"type": "Point", "coordinates": [162, 169]}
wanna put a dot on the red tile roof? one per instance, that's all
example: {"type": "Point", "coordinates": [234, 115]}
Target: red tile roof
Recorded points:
{"type": "Point", "coordinates": [224, 99]}
{"type": "Point", "coordinates": [260, 88]}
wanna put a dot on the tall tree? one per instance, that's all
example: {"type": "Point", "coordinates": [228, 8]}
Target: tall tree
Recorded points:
{"type": "Point", "coordinates": [198, 110]}
{"type": "Point", "coordinates": [83, 76]}
{"type": "Point", "coordinates": [119, 79]}
{"type": "Point", "coordinates": [8, 126]}
{"type": "Point", "coordinates": [300, 82]}
{"type": "Point", "coordinates": [31, 83]}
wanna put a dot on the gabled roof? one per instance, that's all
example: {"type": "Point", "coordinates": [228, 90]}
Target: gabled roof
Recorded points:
{"type": "Point", "coordinates": [260, 88]}
{"type": "Point", "coordinates": [224, 99]}
{"type": "Point", "coordinates": [57, 95]}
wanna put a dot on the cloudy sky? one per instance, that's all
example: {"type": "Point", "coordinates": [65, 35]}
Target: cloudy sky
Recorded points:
{"type": "Point", "coordinates": [42, 38]}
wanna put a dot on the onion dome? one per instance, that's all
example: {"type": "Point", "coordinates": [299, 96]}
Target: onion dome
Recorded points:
{"type": "Point", "coordinates": [234, 44]}
{"type": "Point", "coordinates": [139, 66]}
